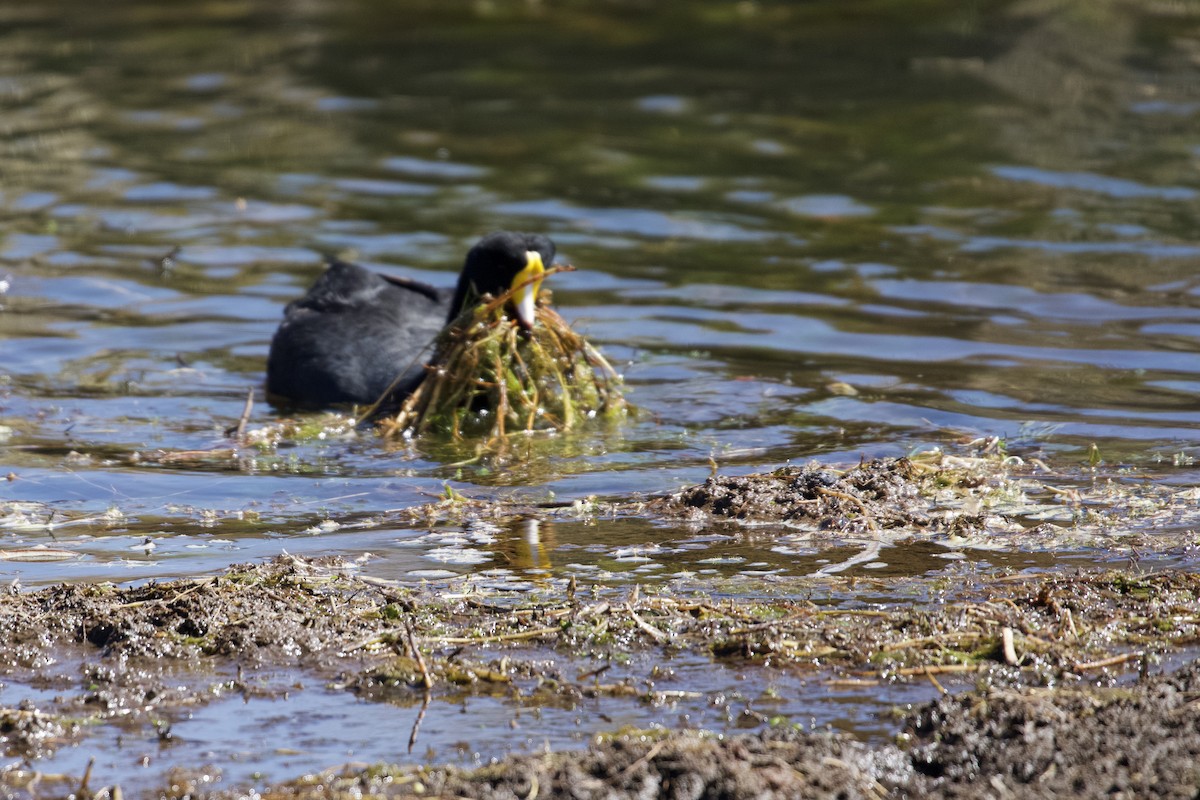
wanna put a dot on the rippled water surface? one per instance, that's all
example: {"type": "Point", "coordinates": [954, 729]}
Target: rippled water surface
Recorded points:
{"type": "Point", "coordinates": [818, 230]}
{"type": "Point", "coordinates": [800, 233]}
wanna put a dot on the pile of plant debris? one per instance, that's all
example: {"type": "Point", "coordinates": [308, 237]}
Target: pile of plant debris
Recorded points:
{"type": "Point", "coordinates": [883, 494]}
{"type": "Point", "coordinates": [489, 378]}
{"type": "Point", "coordinates": [878, 494]}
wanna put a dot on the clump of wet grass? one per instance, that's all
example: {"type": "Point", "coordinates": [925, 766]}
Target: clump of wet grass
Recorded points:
{"type": "Point", "coordinates": [490, 379]}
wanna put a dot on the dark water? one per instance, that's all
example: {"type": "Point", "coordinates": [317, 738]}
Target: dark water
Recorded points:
{"type": "Point", "coordinates": [980, 216]}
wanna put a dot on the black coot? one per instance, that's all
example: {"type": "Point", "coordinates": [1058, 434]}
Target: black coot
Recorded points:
{"type": "Point", "coordinates": [355, 332]}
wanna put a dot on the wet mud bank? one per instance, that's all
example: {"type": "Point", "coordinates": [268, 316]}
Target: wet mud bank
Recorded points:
{"type": "Point", "coordinates": [1080, 682]}
{"type": "Point", "coordinates": [1136, 741]}
{"type": "Point", "coordinates": [1054, 684]}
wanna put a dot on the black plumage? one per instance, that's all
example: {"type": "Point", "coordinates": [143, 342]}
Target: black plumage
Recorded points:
{"type": "Point", "coordinates": [356, 332]}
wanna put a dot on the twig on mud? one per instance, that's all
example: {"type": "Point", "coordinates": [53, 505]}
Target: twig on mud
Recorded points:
{"type": "Point", "coordinates": [594, 610]}
{"type": "Point", "coordinates": [596, 673]}
{"type": "Point", "coordinates": [197, 584]}
{"type": "Point", "coordinates": [941, 639]}
{"type": "Point", "coordinates": [1010, 651]}
{"type": "Point", "coordinates": [1072, 496]}
{"type": "Point", "coordinates": [796, 650]}
{"type": "Point", "coordinates": [87, 776]}
{"type": "Point", "coordinates": [646, 626]}
{"type": "Point", "coordinates": [850, 612]}
{"type": "Point", "coordinates": [764, 626]}
{"type": "Point", "coordinates": [1007, 601]}
{"type": "Point", "coordinates": [939, 669]}
{"type": "Point", "coordinates": [1069, 622]}
{"type": "Point", "coordinates": [1081, 666]}
{"type": "Point", "coordinates": [370, 641]}
{"type": "Point", "coordinates": [1189, 707]}
{"type": "Point", "coordinates": [498, 637]}
{"type": "Point", "coordinates": [411, 637]}
{"type": "Point", "coordinates": [412, 737]}
{"type": "Point", "coordinates": [239, 431]}
{"type": "Point", "coordinates": [985, 614]}
{"type": "Point", "coordinates": [650, 754]}
{"type": "Point", "coordinates": [709, 608]}
{"type": "Point", "coordinates": [866, 515]}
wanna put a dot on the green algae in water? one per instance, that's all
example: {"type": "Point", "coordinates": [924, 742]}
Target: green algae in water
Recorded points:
{"type": "Point", "coordinates": [489, 379]}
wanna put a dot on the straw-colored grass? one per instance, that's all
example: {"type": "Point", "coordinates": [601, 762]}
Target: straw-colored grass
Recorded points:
{"type": "Point", "coordinates": [490, 379]}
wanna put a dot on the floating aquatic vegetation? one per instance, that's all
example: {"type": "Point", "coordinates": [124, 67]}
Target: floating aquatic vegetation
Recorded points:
{"type": "Point", "coordinates": [489, 378]}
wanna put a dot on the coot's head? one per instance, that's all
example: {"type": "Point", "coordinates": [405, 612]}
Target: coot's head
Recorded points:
{"type": "Point", "coordinates": [503, 261]}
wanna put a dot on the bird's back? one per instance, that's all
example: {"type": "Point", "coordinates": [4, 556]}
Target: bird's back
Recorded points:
{"type": "Point", "coordinates": [352, 335]}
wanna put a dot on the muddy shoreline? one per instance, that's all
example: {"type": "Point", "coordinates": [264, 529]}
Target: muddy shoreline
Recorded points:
{"type": "Point", "coordinates": [1082, 683]}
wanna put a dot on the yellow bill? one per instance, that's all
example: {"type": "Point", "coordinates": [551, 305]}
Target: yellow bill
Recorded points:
{"type": "Point", "coordinates": [525, 295]}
